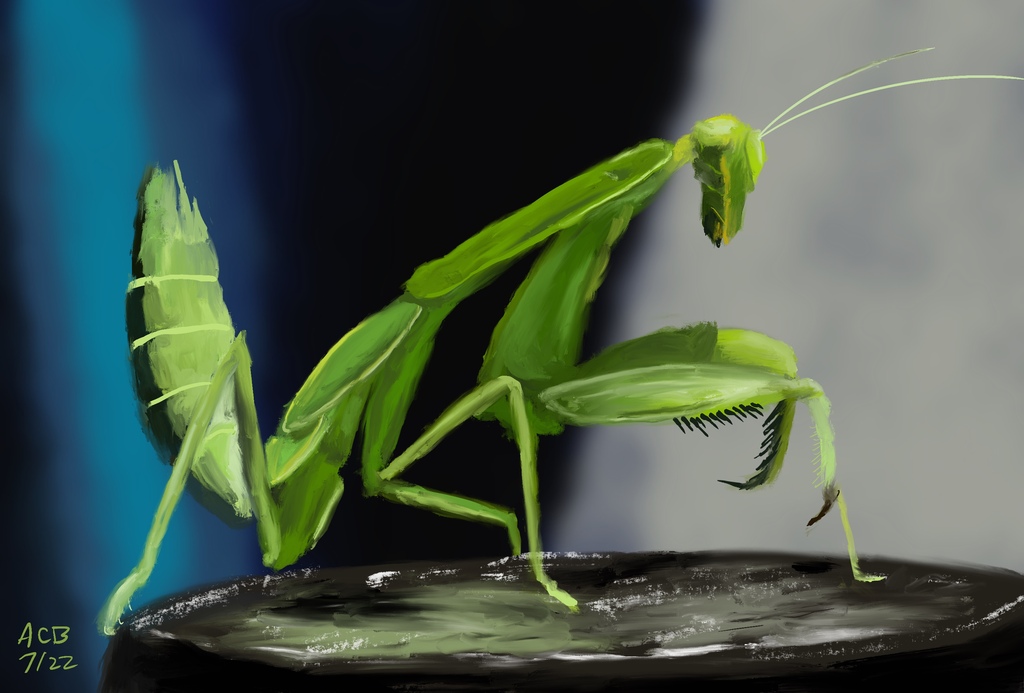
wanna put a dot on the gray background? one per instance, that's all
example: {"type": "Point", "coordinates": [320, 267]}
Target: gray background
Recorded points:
{"type": "Point", "coordinates": [884, 244]}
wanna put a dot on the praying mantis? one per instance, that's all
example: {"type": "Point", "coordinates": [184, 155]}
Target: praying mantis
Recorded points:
{"type": "Point", "coordinates": [193, 371]}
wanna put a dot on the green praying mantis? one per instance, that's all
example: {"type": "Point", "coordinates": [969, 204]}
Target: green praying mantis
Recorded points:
{"type": "Point", "coordinates": [193, 371]}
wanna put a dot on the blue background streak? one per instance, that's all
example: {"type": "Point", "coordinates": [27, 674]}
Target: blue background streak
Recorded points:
{"type": "Point", "coordinates": [98, 100]}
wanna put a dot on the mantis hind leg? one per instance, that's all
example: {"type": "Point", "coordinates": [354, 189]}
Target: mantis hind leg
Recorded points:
{"type": "Point", "coordinates": [233, 371]}
{"type": "Point", "coordinates": [476, 401]}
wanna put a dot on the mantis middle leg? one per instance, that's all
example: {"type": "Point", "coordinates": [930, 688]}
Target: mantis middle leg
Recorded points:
{"type": "Point", "coordinates": [470, 405]}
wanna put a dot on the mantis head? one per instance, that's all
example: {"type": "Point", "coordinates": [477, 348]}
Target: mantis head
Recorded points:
{"type": "Point", "coordinates": [728, 155]}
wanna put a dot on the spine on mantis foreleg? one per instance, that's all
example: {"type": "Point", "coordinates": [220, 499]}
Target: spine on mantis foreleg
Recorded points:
{"type": "Point", "coordinates": [179, 329]}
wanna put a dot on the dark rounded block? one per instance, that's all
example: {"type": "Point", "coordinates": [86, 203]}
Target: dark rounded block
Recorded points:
{"type": "Point", "coordinates": [647, 621]}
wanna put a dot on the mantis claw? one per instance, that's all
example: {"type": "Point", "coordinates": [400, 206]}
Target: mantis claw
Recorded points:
{"type": "Point", "coordinates": [826, 506]}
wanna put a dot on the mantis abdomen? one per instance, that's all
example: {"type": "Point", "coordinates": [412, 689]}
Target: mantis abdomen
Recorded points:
{"type": "Point", "coordinates": [179, 330]}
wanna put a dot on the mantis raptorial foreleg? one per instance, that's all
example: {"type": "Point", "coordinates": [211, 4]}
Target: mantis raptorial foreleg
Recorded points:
{"type": "Point", "coordinates": [697, 376]}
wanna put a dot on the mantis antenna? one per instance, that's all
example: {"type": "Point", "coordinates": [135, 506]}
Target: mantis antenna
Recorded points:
{"type": "Point", "coordinates": [772, 126]}
{"type": "Point", "coordinates": [837, 80]}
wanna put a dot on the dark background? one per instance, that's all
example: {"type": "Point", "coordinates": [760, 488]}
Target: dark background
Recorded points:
{"type": "Point", "coordinates": [399, 135]}
{"type": "Point", "coordinates": [333, 147]}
